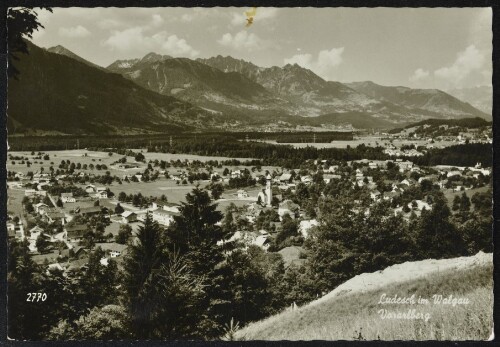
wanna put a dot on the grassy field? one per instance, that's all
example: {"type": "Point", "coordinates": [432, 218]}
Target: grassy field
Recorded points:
{"type": "Point", "coordinates": [76, 156]}
{"type": "Point", "coordinates": [14, 201]}
{"type": "Point", "coordinates": [372, 141]}
{"type": "Point", "coordinates": [450, 194]}
{"type": "Point", "coordinates": [170, 156]}
{"type": "Point", "coordinates": [356, 316]}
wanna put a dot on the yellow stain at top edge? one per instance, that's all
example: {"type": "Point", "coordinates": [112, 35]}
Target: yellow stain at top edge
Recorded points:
{"type": "Point", "coordinates": [250, 16]}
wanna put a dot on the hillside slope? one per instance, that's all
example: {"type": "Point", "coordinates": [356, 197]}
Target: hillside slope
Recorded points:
{"type": "Point", "coordinates": [64, 51]}
{"type": "Point", "coordinates": [60, 94]}
{"type": "Point", "coordinates": [351, 311]}
{"type": "Point", "coordinates": [431, 100]}
{"type": "Point", "coordinates": [481, 97]}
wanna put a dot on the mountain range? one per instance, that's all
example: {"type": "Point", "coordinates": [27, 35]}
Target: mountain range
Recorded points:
{"type": "Point", "coordinates": [62, 92]}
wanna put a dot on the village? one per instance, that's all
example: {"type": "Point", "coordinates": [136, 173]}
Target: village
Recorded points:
{"type": "Point", "coordinates": [92, 199]}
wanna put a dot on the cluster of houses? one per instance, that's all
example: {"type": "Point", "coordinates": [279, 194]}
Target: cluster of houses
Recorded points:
{"type": "Point", "coordinates": [164, 213]}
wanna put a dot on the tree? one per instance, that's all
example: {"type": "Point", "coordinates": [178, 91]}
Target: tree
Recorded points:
{"type": "Point", "coordinates": [456, 203]}
{"type": "Point", "coordinates": [249, 287]}
{"type": "Point", "coordinates": [289, 228]}
{"type": "Point", "coordinates": [464, 202]}
{"type": "Point", "coordinates": [194, 234]}
{"type": "Point", "coordinates": [109, 322]}
{"type": "Point", "coordinates": [119, 209]}
{"type": "Point", "coordinates": [124, 234]}
{"type": "Point", "coordinates": [144, 258]}
{"type": "Point", "coordinates": [482, 202]}
{"type": "Point", "coordinates": [216, 190]}
{"type": "Point", "coordinates": [42, 244]}
{"type": "Point", "coordinates": [122, 197]}
{"type": "Point", "coordinates": [100, 280]}
{"type": "Point", "coordinates": [175, 293]}
{"type": "Point", "coordinates": [139, 157]}
{"type": "Point", "coordinates": [436, 236]}
{"type": "Point", "coordinates": [59, 203]}
{"type": "Point", "coordinates": [22, 275]}
{"type": "Point", "coordinates": [21, 23]}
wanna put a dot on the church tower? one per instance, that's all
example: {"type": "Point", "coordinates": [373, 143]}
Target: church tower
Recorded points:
{"type": "Point", "coordinates": [269, 191]}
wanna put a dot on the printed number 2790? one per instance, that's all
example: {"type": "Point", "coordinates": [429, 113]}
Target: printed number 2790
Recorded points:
{"type": "Point", "coordinates": [36, 297]}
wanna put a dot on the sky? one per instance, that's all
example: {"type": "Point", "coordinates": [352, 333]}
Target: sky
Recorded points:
{"type": "Point", "coordinates": [443, 48]}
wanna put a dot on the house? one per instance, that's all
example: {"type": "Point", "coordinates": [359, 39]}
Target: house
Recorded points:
{"type": "Point", "coordinates": [34, 232]}
{"type": "Point", "coordinates": [90, 188]}
{"type": "Point", "coordinates": [285, 178]}
{"type": "Point", "coordinates": [62, 236]}
{"type": "Point", "coordinates": [236, 174]}
{"type": "Point", "coordinates": [404, 165]}
{"type": "Point", "coordinates": [242, 194]}
{"type": "Point", "coordinates": [306, 225]}
{"type": "Point", "coordinates": [53, 216]}
{"type": "Point", "coordinates": [453, 173]}
{"type": "Point", "coordinates": [163, 217]}
{"type": "Point", "coordinates": [43, 186]}
{"type": "Point", "coordinates": [420, 205]}
{"type": "Point", "coordinates": [328, 178]}
{"type": "Point", "coordinates": [129, 217]}
{"type": "Point", "coordinates": [90, 211]}
{"type": "Point", "coordinates": [389, 195]}
{"type": "Point", "coordinates": [11, 226]}
{"type": "Point", "coordinates": [306, 179]}
{"type": "Point", "coordinates": [79, 252]}
{"type": "Point", "coordinates": [375, 195]}
{"type": "Point", "coordinates": [288, 207]}
{"type": "Point", "coordinates": [113, 249]}
{"type": "Point", "coordinates": [416, 206]}
{"type": "Point", "coordinates": [103, 194]}
{"type": "Point", "coordinates": [359, 175]}
{"type": "Point", "coordinates": [166, 206]}
{"type": "Point", "coordinates": [14, 184]}
{"type": "Point", "coordinates": [139, 177]}
{"type": "Point", "coordinates": [67, 197]}
{"type": "Point", "coordinates": [333, 168]}
{"type": "Point", "coordinates": [431, 178]}
{"type": "Point", "coordinates": [11, 233]}
{"type": "Point", "coordinates": [55, 267]}
{"type": "Point", "coordinates": [262, 241]}
{"type": "Point", "coordinates": [408, 182]}
{"type": "Point", "coordinates": [128, 166]}
{"type": "Point", "coordinates": [176, 177]}
{"type": "Point", "coordinates": [75, 231]}
{"type": "Point", "coordinates": [41, 208]}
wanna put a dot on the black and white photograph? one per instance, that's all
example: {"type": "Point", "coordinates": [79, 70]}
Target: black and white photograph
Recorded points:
{"type": "Point", "coordinates": [249, 173]}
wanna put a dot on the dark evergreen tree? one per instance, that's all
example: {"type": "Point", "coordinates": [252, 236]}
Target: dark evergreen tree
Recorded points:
{"type": "Point", "coordinates": [144, 259]}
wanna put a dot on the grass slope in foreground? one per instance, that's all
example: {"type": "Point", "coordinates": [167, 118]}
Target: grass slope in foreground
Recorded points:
{"type": "Point", "coordinates": [351, 312]}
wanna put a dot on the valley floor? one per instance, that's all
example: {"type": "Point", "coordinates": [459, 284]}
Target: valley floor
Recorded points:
{"type": "Point", "coordinates": [460, 305]}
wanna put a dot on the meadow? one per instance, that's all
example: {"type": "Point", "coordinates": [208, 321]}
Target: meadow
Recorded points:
{"type": "Point", "coordinates": [356, 316]}
{"type": "Point", "coordinates": [372, 141]}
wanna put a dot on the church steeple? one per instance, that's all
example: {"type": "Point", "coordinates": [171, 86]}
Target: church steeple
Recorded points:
{"type": "Point", "coordinates": [269, 191]}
